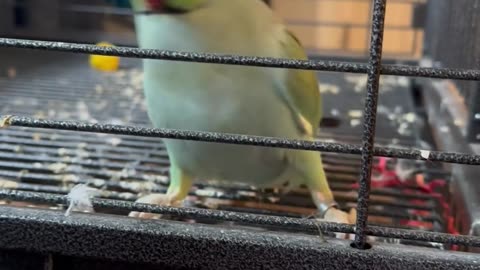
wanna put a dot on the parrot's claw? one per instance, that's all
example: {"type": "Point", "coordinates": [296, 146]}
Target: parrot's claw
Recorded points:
{"type": "Point", "coordinates": [156, 199]}
{"type": "Point", "coordinates": [144, 215]}
{"type": "Point", "coordinates": [338, 216]}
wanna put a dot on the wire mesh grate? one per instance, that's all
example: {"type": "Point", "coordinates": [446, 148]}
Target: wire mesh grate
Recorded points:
{"type": "Point", "coordinates": [52, 160]}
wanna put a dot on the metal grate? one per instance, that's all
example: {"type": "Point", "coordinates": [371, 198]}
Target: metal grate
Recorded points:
{"type": "Point", "coordinates": [52, 161]}
{"type": "Point", "coordinates": [148, 161]}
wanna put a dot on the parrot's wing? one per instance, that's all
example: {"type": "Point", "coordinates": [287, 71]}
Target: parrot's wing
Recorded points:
{"type": "Point", "coordinates": [301, 90]}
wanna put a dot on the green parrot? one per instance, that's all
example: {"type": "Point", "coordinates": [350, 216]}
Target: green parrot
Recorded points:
{"type": "Point", "coordinates": [230, 99]}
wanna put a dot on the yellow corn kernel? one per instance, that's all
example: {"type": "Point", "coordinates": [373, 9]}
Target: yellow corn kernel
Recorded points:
{"type": "Point", "coordinates": [103, 62]}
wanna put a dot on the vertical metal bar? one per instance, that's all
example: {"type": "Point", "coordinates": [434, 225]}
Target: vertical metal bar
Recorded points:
{"type": "Point", "coordinates": [370, 113]}
{"type": "Point", "coordinates": [369, 24]}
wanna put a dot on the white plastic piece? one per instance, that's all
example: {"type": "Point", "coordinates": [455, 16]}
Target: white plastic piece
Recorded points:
{"type": "Point", "coordinates": [115, 141]}
{"type": "Point", "coordinates": [80, 199]}
{"type": "Point", "coordinates": [425, 154]}
{"type": "Point", "coordinates": [328, 88]}
{"type": "Point", "coordinates": [355, 122]}
{"type": "Point", "coordinates": [7, 184]}
{"type": "Point", "coordinates": [5, 121]}
{"type": "Point", "coordinates": [355, 113]}
{"type": "Point", "coordinates": [403, 174]}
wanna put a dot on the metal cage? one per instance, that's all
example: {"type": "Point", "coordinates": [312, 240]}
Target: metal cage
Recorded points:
{"type": "Point", "coordinates": [172, 244]}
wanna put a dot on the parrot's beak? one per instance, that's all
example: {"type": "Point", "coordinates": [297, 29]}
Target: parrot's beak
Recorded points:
{"type": "Point", "coordinates": [156, 5]}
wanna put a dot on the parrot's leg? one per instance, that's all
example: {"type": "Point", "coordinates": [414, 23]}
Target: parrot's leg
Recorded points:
{"type": "Point", "coordinates": [180, 184]}
{"type": "Point", "coordinates": [310, 165]}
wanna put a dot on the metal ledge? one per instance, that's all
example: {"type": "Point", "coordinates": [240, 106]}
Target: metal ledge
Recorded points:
{"type": "Point", "coordinates": [203, 246]}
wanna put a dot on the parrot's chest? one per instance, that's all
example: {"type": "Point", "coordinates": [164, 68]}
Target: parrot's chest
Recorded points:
{"type": "Point", "coordinates": [219, 99]}
{"type": "Point", "coordinates": [214, 98]}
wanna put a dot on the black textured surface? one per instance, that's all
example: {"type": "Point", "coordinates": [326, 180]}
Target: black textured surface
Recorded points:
{"type": "Point", "coordinates": [459, 158]}
{"type": "Point", "coordinates": [43, 88]}
{"type": "Point", "coordinates": [205, 247]}
{"type": "Point", "coordinates": [21, 260]}
{"type": "Point", "coordinates": [370, 121]}
{"type": "Point", "coordinates": [295, 224]}
{"type": "Point", "coordinates": [460, 74]}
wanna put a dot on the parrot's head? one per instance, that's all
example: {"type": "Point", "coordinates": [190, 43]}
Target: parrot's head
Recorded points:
{"type": "Point", "coordinates": [166, 6]}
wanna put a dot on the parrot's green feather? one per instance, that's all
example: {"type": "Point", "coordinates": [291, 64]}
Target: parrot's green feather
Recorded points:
{"type": "Point", "coordinates": [301, 91]}
{"type": "Point", "coordinates": [184, 4]}
{"type": "Point", "coordinates": [227, 99]}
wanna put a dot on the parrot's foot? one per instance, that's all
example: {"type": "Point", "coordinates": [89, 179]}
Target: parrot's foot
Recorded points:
{"type": "Point", "coordinates": [338, 216]}
{"type": "Point", "coordinates": [157, 199]}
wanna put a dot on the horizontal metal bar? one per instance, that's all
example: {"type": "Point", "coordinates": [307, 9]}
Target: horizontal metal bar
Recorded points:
{"type": "Point", "coordinates": [204, 246]}
{"type": "Point", "coordinates": [297, 224]}
{"type": "Point", "coordinates": [156, 154]}
{"type": "Point", "coordinates": [307, 225]}
{"type": "Point", "coordinates": [116, 195]}
{"type": "Point", "coordinates": [458, 158]}
{"type": "Point", "coordinates": [345, 25]}
{"type": "Point", "coordinates": [70, 134]}
{"type": "Point", "coordinates": [68, 141]}
{"type": "Point", "coordinates": [50, 178]}
{"type": "Point", "coordinates": [202, 191]}
{"type": "Point", "coordinates": [399, 70]}
{"type": "Point", "coordinates": [74, 137]}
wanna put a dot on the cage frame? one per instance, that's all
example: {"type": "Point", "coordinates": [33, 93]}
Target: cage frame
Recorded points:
{"type": "Point", "coordinates": [20, 226]}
